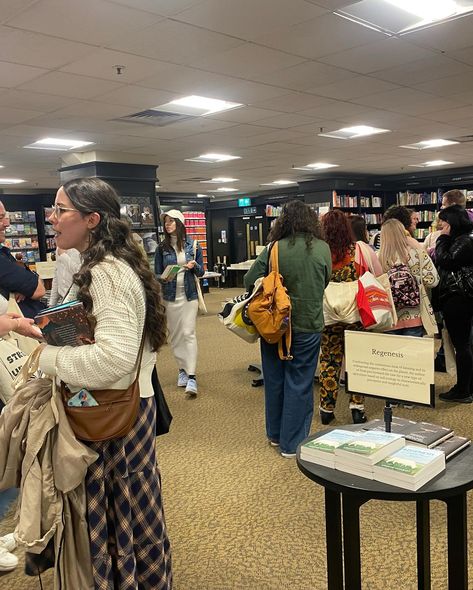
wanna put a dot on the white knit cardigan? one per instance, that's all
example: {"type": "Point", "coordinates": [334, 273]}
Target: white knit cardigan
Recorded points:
{"type": "Point", "coordinates": [119, 307]}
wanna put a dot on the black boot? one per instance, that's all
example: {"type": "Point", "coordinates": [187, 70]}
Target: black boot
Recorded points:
{"type": "Point", "coordinates": [358, 416]}
{"type": "Point", "coordinates": [456, 396]}
{"type": "Point", "coordinates": [326, 417]}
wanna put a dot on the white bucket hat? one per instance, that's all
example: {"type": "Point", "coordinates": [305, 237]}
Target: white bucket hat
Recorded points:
{"type": "Point", "coordinates": [175, 214]}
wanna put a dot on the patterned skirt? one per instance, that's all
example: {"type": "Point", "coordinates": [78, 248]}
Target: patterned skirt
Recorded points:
{"type": "Point", "coordinates": [129, 546]}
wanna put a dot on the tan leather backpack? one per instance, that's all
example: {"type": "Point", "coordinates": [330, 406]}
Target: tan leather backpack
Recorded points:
{"type": "Point", "coordinates": [270, 309]}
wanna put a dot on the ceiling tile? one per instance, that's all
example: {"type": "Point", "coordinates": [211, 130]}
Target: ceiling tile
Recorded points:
{"type": "Point", "coordinates": [420, 70]}
{"type": "Point", "coordinates": [319, 37]}
{"type": "Point", "coordinates": [163, 7]}
{"type": "Point", "coordinates": [136, 97]}
{"type": "Point", "coordinates": [371, 57]}
{"type": "Point", "coordinates": [10, 8]}
{"type": "Point", "coordinates": [354, 87]}
{"type": "Point", "coordinates": [102, 63]}
{"type": "Point", "coordinates": [286, 121]}
{"type": "Point", "coordinates": [34, 49]}
{"type": "Point", "coordinates": [306, 75]}
{"type": "Point", "coordinates": [97, 21]}
{"type": "Point", "coordinates": [25, 99]}
{"type": "Point", "coordinates": [62, 84]}
{"type": "Point", "coordinates": [174, 42]}
{"type": "Point", "coordinates": [12, 75]}
{"type": "Point", "coordinates": [248, 61]}
{"type": "Point", "coordinates": [448, 36]}
{"type": "Point", "coordinates": [451, 85]}
{"type": "Point", "coordinates": [16, 116]}
{"type": "Point", "coordinates": [293, 102]}
{"type": "Point", "coordinates": [248, 19]}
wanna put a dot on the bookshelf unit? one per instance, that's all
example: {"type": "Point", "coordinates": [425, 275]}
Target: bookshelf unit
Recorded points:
{"type": "Point", "coordinates": [21, 237]}
{"type": "Point", "coordinates": [370, 204]}
{"type": "Point", "coordinates": [425, 204]}
{"type": "Point", "coordinates": [196, 229]}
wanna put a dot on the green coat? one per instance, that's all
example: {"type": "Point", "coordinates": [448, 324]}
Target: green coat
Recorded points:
{"type": "Point", "coordinates": [306, 273]}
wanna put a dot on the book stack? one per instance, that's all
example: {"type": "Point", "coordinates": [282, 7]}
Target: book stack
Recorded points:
{"type": "Point", "coordinates": [359, 455]}
{"type": "Point", "coordinates": [321, 450]}
{"type": "Point", "coordinates": [410, 467]}
{"type": "Point", "coordinates": [424, 434]}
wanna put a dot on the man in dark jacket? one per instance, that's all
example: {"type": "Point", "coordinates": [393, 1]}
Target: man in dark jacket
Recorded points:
{"type": "Point", "coordinates": [27, 287]}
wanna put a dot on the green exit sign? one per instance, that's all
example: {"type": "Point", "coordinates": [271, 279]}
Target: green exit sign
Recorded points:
{"type": "Point", "coordinates": [245, 202]}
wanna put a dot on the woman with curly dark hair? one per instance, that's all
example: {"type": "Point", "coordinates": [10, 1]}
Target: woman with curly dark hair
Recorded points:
{"type": "Point", "coordinates": [304, 263]}
{"type": "Point", "coordinates": [129, 546]}
{"type": "Point", "coordinates": [350, 260]}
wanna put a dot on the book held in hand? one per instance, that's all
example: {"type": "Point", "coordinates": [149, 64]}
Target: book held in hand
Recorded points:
{"type": "Point", "coordinates": [170, 272]}
{"type": "Point", "coordinates": [410, 467]}
{"type": "Point", "coordinates": [65, 325]}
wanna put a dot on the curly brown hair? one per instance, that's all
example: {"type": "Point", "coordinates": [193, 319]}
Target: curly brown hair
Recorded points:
{"type": "Point", "coordinates": [337, 233]}
{"type": "Point", "coordinates": [113, 236]}
{"type": "Point", "coordinates": [296, 217]}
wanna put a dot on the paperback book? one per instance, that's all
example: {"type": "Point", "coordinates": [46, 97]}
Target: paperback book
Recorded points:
{"type": "Point", "coordinates": [321, 450]}
{"type": "Point", "coordinates": [65, 325]}
{"type": "Point", "coordinates": [453, 446]}
{"type": "Point", "coordinates": [410, 467]}
{"type": "Point", "coordinates": [421, 433]}
{"type": "Point", "coordinates": [170, 272]}
{"type": "Point", "coordinates": [369, 447]}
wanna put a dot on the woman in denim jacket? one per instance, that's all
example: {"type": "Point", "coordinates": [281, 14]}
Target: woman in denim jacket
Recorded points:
{"type": "Point", "coordinates": [180, 294]}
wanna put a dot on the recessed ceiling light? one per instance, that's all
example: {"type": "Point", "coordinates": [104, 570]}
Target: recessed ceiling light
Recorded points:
{"type": "Point", "coordinates": [213, 158]}
{"type": "Point", "coordinates": [54, 143]}
{"type": "Point", "coordinates": [354, 132]}
{"type": "Point", "coordinates": [278, 183]}
{"type": "Point", "coordinates": [404, 16]}
{"type": "Point", "coordinates": [198, 106]}
{"type": "Point", "coordinates": [223, 189]}
{"type": "Point", "coordinates": [431, 163]}
{"type": "Point", "coordinates": [316, 166]}
{"type": "Point", "coordinates": [200, 195]}
{"type": "Point", "coordinates": [11, 180]}
{"type": "Point", "coordinates": [429, 143]}
{"type": "Point", "coordinates": [219, 179]}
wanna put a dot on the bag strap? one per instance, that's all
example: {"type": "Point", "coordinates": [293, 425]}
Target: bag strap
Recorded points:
{"type": "Point", "coordinates": [287, 337]}
{"type": "Point", "coordinates": [273, 258]}
{"type": "Point", "coordinates": [194, 248]}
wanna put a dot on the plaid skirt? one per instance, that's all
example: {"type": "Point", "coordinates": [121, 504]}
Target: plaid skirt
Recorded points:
{"type": "Point", "coordinates": [129, 546]}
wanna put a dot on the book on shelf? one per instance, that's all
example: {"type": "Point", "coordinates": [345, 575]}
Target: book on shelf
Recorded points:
{"type": "Point", "coordinates": [368, 447]}
{"type": "Point", "coordinates": [453, 445]}
{"type": "Point", "coordinates": [410, 467]}
{"type": "Point", "coordinates": [421, 433]}
{"type": "Point", "coordinates": [150, 242]}
{"type": "Point", "coordinates": [65, 325]}
{"type": "Point", "coordinates": [321, 450]}
{"type": "Point", "coordinates": [170, 272]}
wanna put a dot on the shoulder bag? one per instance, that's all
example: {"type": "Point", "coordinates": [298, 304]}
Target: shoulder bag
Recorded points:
{"type": "Point", "coordinates": [426, 312]}
{"type": "Point", "coordinates": [115, 414]}
{"type": "Point", "coordinates": [200, 297]}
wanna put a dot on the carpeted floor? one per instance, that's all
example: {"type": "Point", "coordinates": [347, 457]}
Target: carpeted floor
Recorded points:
{"type": "Point", "coordinates": [240, 517]}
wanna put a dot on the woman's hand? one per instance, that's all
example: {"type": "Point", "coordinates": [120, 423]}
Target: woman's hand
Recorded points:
{"type": "Point", "coordinates": [190, 265]}
{"type": "Point", "coordinates": [27, 327]}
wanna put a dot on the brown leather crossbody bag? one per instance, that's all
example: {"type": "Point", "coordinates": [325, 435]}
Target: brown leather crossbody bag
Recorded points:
{"type": "Point", "coordinates": [115, 414]}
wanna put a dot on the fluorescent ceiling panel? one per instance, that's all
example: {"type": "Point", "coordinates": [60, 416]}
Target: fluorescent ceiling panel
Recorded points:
{"type": "Point", "coordinates": [404, 16]}
{"type": "Point", "coordinates": [198, 106]}
{"type": "Point", "coordinates": [224, 189]}
{"type": "Point", "coordinates": [431, 163]}
{"type": "Point", "coordinates": [219, 179]}
{"type": "Point", "coordinates": [429, 143]}
{"type": "Point", "coordinates": [354, 132]}
{"type": "Point", "coordinates": [11, 180]}
{"type": "Point", "coordinates": [279, 183]}
{"type": "Point", "coordinates": [53, 143]}
{"type": "Point", "coordinates": [213, 158]}
{"type": "Point", "coordinates": [316, 166]}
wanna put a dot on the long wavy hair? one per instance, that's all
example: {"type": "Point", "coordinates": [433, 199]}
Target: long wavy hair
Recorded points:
{"type": "Point", "coordinates": [394, 244]}
{"type": "Point", "coordinates": [337, 233]}
{"type": "Point", "coordinates": [181, 235]}
{"type": "Point", "coordinates": [112, 236]}
{"type": "Point", "coordinates": [296, 217]}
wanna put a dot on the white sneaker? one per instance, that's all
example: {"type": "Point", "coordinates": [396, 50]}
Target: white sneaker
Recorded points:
{"type": "Point", "coordinates": [182, 378]}
{"type": "Point", "coordinates": [8, 561]}
{"type": "Point", "coordinates": [191, 387]}
{"type": "Point", "coordinates": [288, 455]}
{"type": "Point", "coordinates": [8, 542]}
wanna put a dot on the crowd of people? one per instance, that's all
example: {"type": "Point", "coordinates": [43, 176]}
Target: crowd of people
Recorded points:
{"type": "Point", "coordinates": [134, 309]}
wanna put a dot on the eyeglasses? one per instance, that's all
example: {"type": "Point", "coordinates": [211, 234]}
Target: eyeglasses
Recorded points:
{"type": "Point", "coordinates": [57, 210]}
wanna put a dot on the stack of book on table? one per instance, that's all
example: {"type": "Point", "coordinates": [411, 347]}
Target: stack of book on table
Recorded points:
{"type": "Point", "coordinates": [424, 434]}
{"type": "Point", "coordinates": [321, 450]}
{"type": "Point", "coordinates": [359, 455]}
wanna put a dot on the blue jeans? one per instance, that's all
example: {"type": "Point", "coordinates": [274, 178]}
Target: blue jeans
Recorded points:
{"type": "Point", "coordinates": [415, 331]}
{"type": "Point", "coordinates": [288, 389]}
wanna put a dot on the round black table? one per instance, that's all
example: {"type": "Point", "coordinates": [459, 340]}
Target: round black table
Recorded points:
{"type": "Point", "coordinates": [346, 493]}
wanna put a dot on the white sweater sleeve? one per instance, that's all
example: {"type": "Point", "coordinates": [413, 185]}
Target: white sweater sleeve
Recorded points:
{"type": "Point", "coordinates": [119, 308]}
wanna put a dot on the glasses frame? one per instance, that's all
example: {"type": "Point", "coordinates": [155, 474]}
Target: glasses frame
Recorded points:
{"type": "Point", "coordinates": [57, 210]}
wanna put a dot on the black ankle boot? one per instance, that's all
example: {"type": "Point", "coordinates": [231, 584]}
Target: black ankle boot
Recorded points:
{"type": "Point", "coordinates": [326, 417]}
{"type": "Point", "coordinates": [456, 396]}
{"type": "Point", "coordinates": [358, 416]}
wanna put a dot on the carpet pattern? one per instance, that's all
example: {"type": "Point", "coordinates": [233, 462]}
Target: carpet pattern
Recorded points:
{"type": "Point", "coordinates": [239, 516]}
